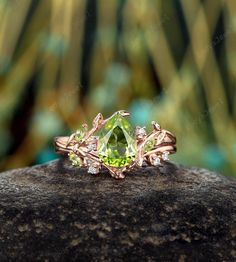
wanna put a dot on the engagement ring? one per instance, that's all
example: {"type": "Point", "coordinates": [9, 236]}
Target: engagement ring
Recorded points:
{"type": "Point", "coordinates": [114, 144]}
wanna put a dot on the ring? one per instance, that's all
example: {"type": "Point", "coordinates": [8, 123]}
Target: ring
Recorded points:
{"type": "Point", "coordinates": [114, 144]}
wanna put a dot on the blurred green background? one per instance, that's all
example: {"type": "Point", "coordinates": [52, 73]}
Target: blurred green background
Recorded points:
{"type": "Point", "coordinates": [62, 62]}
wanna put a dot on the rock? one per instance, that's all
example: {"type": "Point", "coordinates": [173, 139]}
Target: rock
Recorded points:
{"type": "Point", "coordinates": [54, 212]}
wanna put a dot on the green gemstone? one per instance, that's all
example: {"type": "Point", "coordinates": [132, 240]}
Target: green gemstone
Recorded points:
{"type": "Point", "coordinates": [149, 145]}
{"type": "Point", "coordinates": [76, 161]}
{"type": "Point", "coordinates": [79, 135]}
{"type": "Point", "coordinates": [116, 144]}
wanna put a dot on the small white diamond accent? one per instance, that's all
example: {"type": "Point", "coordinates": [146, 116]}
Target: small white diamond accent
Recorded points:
{"type": "Point", "coordinates": [93, 170]}
{"type": "Point", "coordinates": [141, 131]}
{"type": "Point", "coordinates": [156, 161]}
{"type": "Point", "coordinates": [165, 156]}
{"type": "Point", "coordinates": [92, 147]}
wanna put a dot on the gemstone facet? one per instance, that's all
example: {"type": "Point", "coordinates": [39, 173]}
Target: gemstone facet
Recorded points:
{"type": "Point", "coordinates": [116, 144]}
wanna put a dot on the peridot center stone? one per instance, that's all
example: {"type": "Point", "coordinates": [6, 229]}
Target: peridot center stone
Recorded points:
{"type": "Point", "coordinates": [116, 145]}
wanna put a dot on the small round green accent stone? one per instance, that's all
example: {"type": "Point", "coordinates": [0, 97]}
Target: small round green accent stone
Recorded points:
{"type": "Point", "coordinates": [76, 161]}
{"type": "Point", "coordinates": [80, 133]}
{"type": "Point", "coordinates": [149, 145]}
{"type": "Point", "coordinates": [116, 144]}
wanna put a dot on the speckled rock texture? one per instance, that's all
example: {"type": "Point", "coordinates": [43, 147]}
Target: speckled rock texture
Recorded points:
{"type": "Point", "coordinates": [54, 212]}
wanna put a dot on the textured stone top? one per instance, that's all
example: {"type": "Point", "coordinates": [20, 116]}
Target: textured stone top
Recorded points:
{"type": "Point", "coordinates": [54, 212]}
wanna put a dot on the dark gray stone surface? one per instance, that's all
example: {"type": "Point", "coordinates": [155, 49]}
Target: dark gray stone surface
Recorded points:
{"type": "Point", "coordinates": [53, 212]}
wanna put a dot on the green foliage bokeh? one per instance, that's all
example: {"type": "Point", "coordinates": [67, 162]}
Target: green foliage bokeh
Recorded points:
{"type": "Point", "coordinates": [62, 62]}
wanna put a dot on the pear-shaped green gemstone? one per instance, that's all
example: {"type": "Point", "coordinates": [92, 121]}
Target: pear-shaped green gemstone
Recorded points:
{"type": "Point", "coordinates": [116, 145]}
